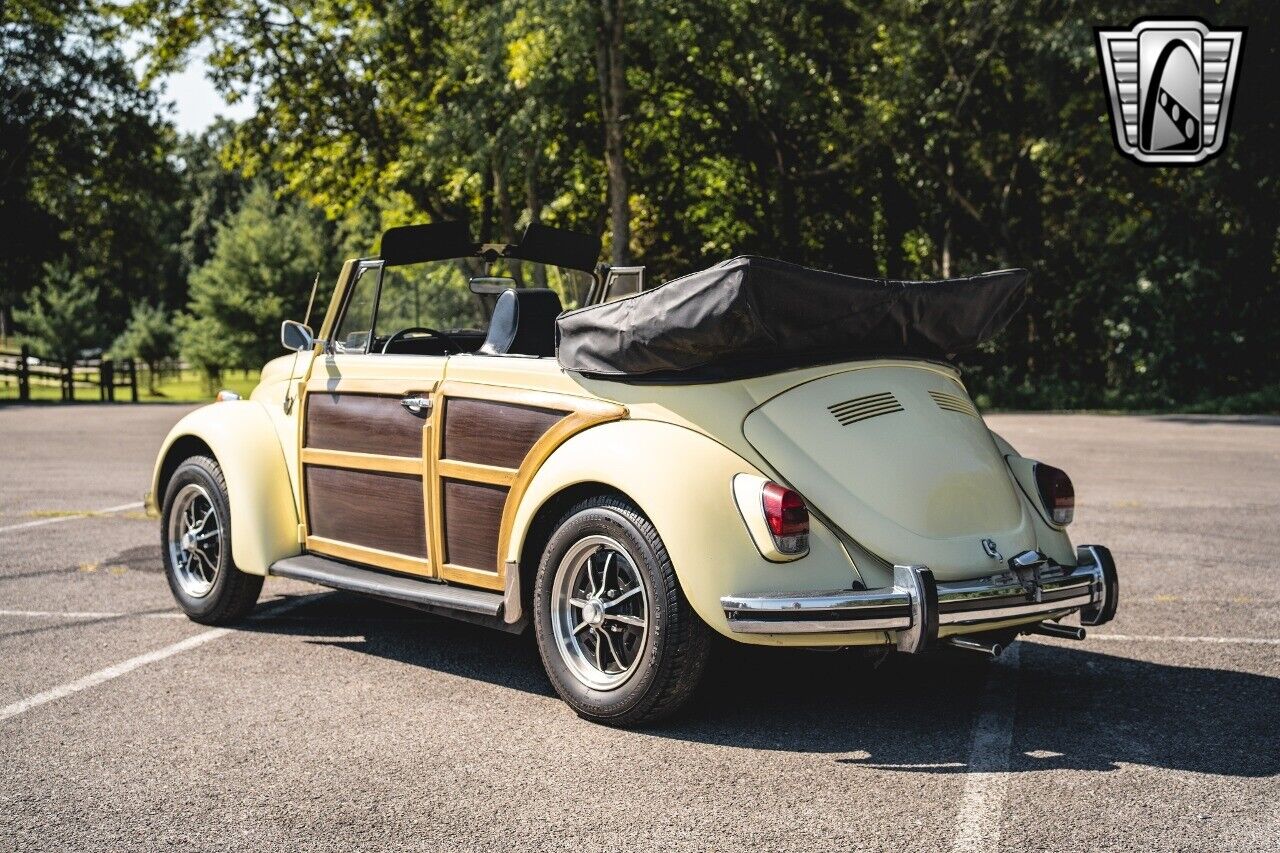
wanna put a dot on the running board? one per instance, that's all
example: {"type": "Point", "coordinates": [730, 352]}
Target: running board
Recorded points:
{"type": "Point", "coordinates": [469, 605]}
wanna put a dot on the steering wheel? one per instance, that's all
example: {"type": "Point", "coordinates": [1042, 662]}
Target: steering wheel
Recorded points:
{"type": "Point", "coordinates": [435, 333]}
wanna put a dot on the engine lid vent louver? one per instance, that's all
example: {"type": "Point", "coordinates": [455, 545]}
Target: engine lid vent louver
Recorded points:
{"type": "Point", "coordinates": [864, 408]}
{"type": "Point", "coordinates": [953, 403]}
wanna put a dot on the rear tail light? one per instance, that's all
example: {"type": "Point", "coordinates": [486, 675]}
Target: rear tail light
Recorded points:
{"type": "Point", "coordinates": [787, 517]}
{"type": "Point", "coordinates": [1056, 493]}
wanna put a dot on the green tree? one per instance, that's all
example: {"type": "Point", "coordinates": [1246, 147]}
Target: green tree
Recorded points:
{"type": "Point", "coordinates": [150, 338]}
{"type": "Point", "coordinates": [264, 259]}
{"type": "Point", "coordinates": [85, 172]}
{"type": "Point", "coordinates": [905, 138]}
{"type": "Point", "coordinates": [59, 319]}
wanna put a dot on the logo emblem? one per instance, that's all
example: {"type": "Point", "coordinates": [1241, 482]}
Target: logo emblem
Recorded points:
{"type": "Point", "coordinates": [989, 548]}
{"type": "Point", "coordinates": [1170, 83]}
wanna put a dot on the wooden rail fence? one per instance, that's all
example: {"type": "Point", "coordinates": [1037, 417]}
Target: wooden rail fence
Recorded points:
{"type": "Point", "coordinates": [20, 368]}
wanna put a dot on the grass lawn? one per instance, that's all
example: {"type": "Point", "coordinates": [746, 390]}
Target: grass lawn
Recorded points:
{"type": "Point", "coordinates": [188, 386]}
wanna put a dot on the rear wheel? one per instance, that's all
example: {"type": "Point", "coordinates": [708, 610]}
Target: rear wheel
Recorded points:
{"type": "Point", "coordinates": [619, 640]}
{"type": "Point", "coordinates": [195, 536]}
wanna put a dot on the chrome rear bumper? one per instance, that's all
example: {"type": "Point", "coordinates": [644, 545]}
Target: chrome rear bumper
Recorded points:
{"type": "Point", "coordinates": [915, 606]}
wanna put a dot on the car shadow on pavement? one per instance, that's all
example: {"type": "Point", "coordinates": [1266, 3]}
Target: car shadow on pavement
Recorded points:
{"type": "Point", "coordinates": [1076, 708]}
{"type": "Point", "coordinates": [412, 637]}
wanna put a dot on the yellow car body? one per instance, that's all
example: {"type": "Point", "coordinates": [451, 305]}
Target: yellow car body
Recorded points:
{"type": "Point", "coordinates": [501, 443]}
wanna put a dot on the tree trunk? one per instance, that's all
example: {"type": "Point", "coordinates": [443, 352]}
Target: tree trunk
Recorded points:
{"type": "Point", "coordinates": [533, 202]}
{"type": "Point", "coordinates": [486, 211]}
{"type": "Point", "coordinates": [532, 199]}
{"type": "Point", "coordinates": [506, 216]}
{"type": "Point", "coordinates": [787, 226]}
{"type": "Point", "coordinates": [946, 248]}
{"type": "Point", "coordinates": [611, 71]}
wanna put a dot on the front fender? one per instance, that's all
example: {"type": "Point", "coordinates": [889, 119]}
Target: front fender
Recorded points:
{"type": "Point", "coordinates": [682, 481]}
{"type": "Point", "coordinates": [246, 445]}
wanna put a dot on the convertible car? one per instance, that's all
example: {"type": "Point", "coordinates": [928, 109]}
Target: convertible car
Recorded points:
{"type": "Point", "coordinates": [776, 454]}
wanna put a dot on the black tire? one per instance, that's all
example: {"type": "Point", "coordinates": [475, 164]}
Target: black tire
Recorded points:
{"type": "Point", "coordinates": [232, 593]}
{"type": "Point", "coordinates": [673, 652]}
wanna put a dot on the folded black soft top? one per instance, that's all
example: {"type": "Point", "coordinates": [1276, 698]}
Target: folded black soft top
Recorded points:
{"type": "Point", "coordinates": [750, 315]}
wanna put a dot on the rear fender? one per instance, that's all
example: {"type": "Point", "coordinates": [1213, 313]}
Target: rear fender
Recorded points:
{"type": "Point", "coordinates": [682, 481]}
{"type": "Point", "coordinates": [243, 440]}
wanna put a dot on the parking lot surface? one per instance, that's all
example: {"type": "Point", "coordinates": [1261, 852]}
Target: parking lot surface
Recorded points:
{"type": "Point", "coordinates": [328, 722]}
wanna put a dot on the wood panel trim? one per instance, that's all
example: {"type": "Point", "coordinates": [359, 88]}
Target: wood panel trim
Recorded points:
{"type": "Point", "coordinates": [369, 556]}
{"type": "Point", "coordinates": [361, 461]}
{"type": "Point", "coordinates": [473, 472]}
{"type": "Point", "coordinates": [472, 522]}
{"type": "Point", "coordinates": [430, 498]}
{"type": "Point", "coordinates": [570, 426]}
{"type": "Point", "coordinates": [361, 423]}
{"type": "Point", "coordinates": [493, 432]}
{"type": "Point", "coordinates": [472, 577]}
{"type": "Point", "coordinates": [580, 414]}
{"type": "Point", "coordinates": [368, 509]}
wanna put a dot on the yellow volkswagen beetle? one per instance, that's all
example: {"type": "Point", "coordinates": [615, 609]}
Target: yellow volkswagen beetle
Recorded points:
{"type": "Point", "coordinates": [780, 455]}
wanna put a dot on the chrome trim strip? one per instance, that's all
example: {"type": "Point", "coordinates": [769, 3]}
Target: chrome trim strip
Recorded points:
{"type": "Point", "coordinates": [995, 614]}
{"type": "Point", "coordinates": [840, 599]}
{"type": "Point", "coordinates": [818, 626]}
{"type": "Point", "coordinates": [849, 611]}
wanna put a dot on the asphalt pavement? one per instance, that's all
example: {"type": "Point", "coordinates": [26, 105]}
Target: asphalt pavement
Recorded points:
{"type": "Point", "coordinates": [328, 722]}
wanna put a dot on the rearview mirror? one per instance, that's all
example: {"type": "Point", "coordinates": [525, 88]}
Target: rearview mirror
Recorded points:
{"type": "Point", "coordinates": [296, 337]}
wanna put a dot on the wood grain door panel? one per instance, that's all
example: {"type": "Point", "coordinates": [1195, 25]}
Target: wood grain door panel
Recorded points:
{"type": "Point", "coordinates": [371, 509]}
{"type": "Point", "coordinates": [472, 519]}
{"type": "Point", "coordinates": [362, 423]}
{"type": "Point", "coordinates": [489, 432]}
{"type": "Point", "coordinates": [364, 478]}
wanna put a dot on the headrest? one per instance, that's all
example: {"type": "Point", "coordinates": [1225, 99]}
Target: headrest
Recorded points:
{"type": "Point", "coordinates": [523, 323]}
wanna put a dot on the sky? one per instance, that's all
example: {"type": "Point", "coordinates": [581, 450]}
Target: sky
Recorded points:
{"type": "Point", "coordinates": [195, 103]}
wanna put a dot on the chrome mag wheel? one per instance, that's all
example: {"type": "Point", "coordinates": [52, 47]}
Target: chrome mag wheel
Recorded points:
{"type": "Point", "coordinates": [600, 612]}
{"type": "Point", "coordinates": [196, 541]}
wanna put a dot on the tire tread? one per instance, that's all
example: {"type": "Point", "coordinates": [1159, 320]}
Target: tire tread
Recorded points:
{"type": "Point", "coordinates": [239, 592]}
{"type": "Point", "coordinates": [687, 644]}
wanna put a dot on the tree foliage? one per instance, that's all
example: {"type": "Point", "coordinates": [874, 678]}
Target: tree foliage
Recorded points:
{"type": "Point", "coordinates": [904, 138]}
{"type": "Point", "coordinates": [149, 337]}
{"type": "Point", "coordinates": [60, 316]}
{"type": "Point", "coordinates": [264, 259]}
{"type": "Point", "coordinates": [84, 168]}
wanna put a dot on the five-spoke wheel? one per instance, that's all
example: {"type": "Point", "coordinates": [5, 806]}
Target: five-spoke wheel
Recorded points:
{"type": "Point", "coordinates": [195, 540]}
{"type": "Point", "coordinates": [195, 535]}
{"type": "Point", "coordinates": [619, 640]}
{"type": "Point", "coordinates": [601, 612]}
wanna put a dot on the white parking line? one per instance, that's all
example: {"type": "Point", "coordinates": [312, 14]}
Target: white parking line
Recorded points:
{"type": "Point", "coordinates": [93, 679]}
{"type": "Point", "coordinates": [40, 521]}
{"type": "Point", "coordinates": [1157, 638]}
{"type": "Point", "coordinates": [85, 614]}
{"type": "Point", "coordinates": [982, 805]}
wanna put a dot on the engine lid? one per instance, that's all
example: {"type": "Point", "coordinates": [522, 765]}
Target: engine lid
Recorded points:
{"type": "Point", "coordinates": [899, 458]}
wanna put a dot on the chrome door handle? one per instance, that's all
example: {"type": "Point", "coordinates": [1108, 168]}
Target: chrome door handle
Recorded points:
{"type": "Point", "coordinates": [417, 405]}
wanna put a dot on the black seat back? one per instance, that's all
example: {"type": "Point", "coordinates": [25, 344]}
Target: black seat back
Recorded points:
{"type": "Point", "coordinates": [523, 323]}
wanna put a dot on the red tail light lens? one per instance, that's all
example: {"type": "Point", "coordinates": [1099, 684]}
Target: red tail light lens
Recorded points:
{"type": "Point", "coordinates": [1056, 492]}
{"type": "Point", "coordinates": [788, 518]}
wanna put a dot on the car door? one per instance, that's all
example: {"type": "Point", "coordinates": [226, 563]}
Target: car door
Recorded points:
{"type": "Point", "coordinates": [365, 447]}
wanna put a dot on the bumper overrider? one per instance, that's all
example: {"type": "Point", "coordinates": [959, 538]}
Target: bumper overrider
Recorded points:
{"type": "Point", "coordinates": [916, 605]}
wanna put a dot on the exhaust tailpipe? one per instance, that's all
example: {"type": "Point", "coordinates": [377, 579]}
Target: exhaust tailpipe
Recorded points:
{"type": "Point", "coordinates": [1053, 629]}
{"type": "Point", "coordinates": [993, 649]}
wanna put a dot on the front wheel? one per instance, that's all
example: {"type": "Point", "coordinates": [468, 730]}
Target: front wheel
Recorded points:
{"type": "Point", "coordinates": [617, 637]}
{"type": "Point", "coordinates": [195, 535]}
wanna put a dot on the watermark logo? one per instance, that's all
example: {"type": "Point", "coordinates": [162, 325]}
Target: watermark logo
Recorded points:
{"type": "Point", "coordinates": [1170, 82]}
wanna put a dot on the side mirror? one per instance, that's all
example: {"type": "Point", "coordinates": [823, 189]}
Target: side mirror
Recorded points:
{"type": "Point", "coordinates": [296, 337]}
